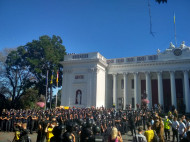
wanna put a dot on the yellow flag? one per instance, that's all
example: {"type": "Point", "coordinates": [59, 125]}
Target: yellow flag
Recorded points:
{"type": "Point", "coordinates": [51, 82]}
{"type": "Point", "coordinates": [57, 77]}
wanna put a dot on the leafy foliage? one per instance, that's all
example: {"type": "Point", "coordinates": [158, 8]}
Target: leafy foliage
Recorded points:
{"type": "Point", "coordinates": [45, 55]}
{"type": "Point", "coordinates": [29, 99]}
{"type": "Point", "coordinates": [27, 66]}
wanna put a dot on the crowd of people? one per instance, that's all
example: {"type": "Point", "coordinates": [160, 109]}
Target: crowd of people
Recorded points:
{"type": "Point", "coordinates": [94, 124]}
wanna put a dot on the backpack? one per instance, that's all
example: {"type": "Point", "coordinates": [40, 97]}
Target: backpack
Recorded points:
{"type": "Point", "coordinates": [156, 138]}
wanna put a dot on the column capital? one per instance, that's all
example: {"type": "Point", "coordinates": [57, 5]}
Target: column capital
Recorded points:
{"type": "Point", "coordinates": [125, 73]}
{"type": "Point", "coordinates": [135, 73]}
{"type": "Point", "coordinates": [147, 72]}
{"type": "Point", "coordinates": [172, 71]}
{"type": "Point", "coordinates": [114, 74]}
{"type": "Point", "coordinates": [159, 72]}
{"type": "Point", "coordinates": [185, 71]}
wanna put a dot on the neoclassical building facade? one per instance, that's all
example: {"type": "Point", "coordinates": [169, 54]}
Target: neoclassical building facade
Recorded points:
{"type": "Point", "coordinates": [92, 80]}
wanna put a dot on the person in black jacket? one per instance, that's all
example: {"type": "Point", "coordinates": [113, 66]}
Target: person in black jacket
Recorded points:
{"type": "Point", "coordinates": [24, 134]}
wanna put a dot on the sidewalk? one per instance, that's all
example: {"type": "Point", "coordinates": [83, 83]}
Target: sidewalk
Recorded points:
{"type": "Point", "coordinates": [8, 137]}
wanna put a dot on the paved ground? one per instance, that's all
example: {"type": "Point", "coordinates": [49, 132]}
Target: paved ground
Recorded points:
{"type": "Point", "coordinates": [8, 137]}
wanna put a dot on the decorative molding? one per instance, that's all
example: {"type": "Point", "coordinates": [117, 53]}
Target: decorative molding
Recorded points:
{"type": "Point", "coordinates": [95, 69]}
{"type": "Point", "coordinates": [67, 71]}
{"type": "Point", "coordinates": [186, 61]}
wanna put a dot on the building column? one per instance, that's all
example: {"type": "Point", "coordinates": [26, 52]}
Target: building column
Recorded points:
{"type": "Point", "coordinates": [148, 89]}
{"type": "Point", "coordinates": [115, 90]}
{"type": "Point", "coordinates": [173, 89]}
{"type": "Point", "coordinates": [135, 89]}
{"type": "Point", "coordinates": [160, 89]}
{"type": "Point", "coordinates": [186, 85]}
{"type": "Point", "coordinates": [125, 98]}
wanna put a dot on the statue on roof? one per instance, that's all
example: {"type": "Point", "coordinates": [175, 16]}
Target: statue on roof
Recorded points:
{"type": "Point", "coordinates": [182, 46]}
{"type": "Point", "coordinates": [171, 46]}
{"type": "Point", "coordinates": [158, 51]}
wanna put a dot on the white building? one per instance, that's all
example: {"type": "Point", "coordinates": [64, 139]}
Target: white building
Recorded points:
{"type": "Point", "coordinates": [92, 80]}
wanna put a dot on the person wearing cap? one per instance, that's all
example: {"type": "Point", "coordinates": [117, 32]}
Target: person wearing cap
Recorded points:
{"type": "Point", "coordinates": [139, 137]}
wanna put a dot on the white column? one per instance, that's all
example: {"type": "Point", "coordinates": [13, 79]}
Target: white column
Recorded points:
{"type": "Point", "coordinates": [135, 89]}
{"type": "Point", "coordinates": [160, 89]}
{"type": "Point", "coordinates": [125, 78]}
{"type": "Point", "coordinates": [115, 90]}
{"type": "Point", "coordinates": [186, 85]}
{"type": "Point", "coordinates": [148, 88]}
{"type": "Point", "coordinates": [173, 89]}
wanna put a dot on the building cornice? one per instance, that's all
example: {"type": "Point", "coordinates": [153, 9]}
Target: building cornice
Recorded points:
{"type": "Point", "coordinates": [74, 62]}
{"type": "Point", "coordinates": [185, 61]}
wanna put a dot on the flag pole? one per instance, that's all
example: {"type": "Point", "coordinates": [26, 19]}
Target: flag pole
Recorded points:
{"type": "Point", "coordinates": [57, 89]}
{"type": "Point", "coordinates": [46, 90]}
{"type": "Point", "coordinates": [175, 31]}
{"type": "Point", "coordinates": [56, 97]}
{"type": "Point", "coordinates": [51, 91]}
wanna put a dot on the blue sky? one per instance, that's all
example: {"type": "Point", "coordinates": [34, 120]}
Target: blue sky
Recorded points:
{"type": "Point", "coordinates": [115, 28]}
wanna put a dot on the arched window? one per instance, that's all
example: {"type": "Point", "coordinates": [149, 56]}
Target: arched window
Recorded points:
{"type": "Point", "coordinates": [78, 98]}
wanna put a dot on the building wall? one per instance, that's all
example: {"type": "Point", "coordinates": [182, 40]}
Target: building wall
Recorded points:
{"type": "Point", "coordinates": [97, 85]}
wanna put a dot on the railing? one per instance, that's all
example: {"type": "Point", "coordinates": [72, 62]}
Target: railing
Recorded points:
{"type": "Point", "coordinates": [133, 59]}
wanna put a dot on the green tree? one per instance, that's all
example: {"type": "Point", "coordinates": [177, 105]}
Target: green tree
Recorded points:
{"type": "Point", "coordinates": [16, 75]}
{"type": "Point", "coordinates": [29, 98]}
{"type": "Point", "coordinates": [27, 66]}
{"type": "Point", "coordinates": [45, 55]}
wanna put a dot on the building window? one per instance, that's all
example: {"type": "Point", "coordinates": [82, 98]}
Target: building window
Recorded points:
{"type": "Point", "coordinates": [122, 84]}
{"type": "Point", "coordinates": [132, 83]}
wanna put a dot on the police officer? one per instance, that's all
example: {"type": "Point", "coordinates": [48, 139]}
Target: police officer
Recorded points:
{"type": "Point", "coordinates": [97, 135]}
{"type": "Point", "coordinates": [167, 124]}
{"type": "Point", "coordinates": [3, 119]}
{"type": "Point", "coordinates": [8, 122]}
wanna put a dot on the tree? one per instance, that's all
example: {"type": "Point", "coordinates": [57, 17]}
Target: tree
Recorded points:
{"type": "Point", "coordinates": [26, 67]}
{"type": "Point", "coordinates": [16, 75]}
{"type": "Point", "coordinates": [45, 55]}
{"type": "Point", "coordinates": [29, 98]}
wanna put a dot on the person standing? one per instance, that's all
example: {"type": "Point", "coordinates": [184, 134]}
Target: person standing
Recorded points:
{"type": "Point", "coordinates": [182, 129]}
{"type": "Point", "coordinates": [175, 127]}
{"type": "Point", "coordinates": [115, 136]}
{"type": "Point", "coordinates": [167, 124]}
{"type": "Point", "coordinates": [149, 134]}
{"type": "Point", "coordinates": [139, 137]}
